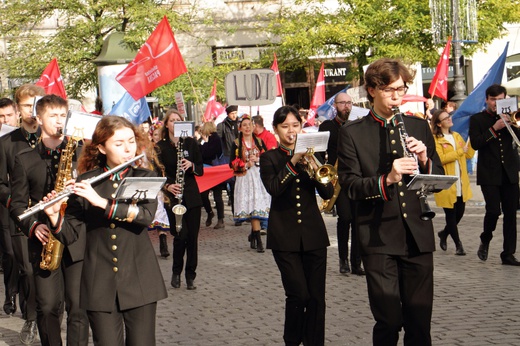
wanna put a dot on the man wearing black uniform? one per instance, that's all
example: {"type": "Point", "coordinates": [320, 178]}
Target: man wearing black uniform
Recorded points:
{"type": "Point", "coordinates": [27, 136]}
{"type": "Point", "coordinates": [497, 174]}
{"type": "Point", "coordinates": [343, 105]}
{"type": "Point", "coordinates": [34, 175]}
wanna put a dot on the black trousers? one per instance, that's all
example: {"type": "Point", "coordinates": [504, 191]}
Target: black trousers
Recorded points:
{"type": "Point", "coordinates": [453, 217]}
{"type": "Point", "coordinates": [217, 196]}
{"type": "Point", "coordinates": [503, 198]}
{"type": "Point", "coordinates": [400, 291]}
{"type": "Point", "coordinates": [343, 208]}
{"type": "Point", "coordinates": [303, 278]}
{"type": "Point", "coordinates": [27, 289]}
{"type": "Point", "coordinates": [9, 264]}
{"type": "Point", "coordinates": [137, 324]}
{"type": "Point", "coordinates": [53, 289]}
{"type": "Point", "coordinates": [186, 243]}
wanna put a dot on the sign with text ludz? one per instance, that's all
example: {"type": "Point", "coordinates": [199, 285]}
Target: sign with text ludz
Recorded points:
{"type": "Point", "coordinates": [255, 87]}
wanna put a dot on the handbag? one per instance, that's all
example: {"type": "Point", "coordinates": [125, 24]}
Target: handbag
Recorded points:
{"type": "Point", "coordinates": [219, 160]}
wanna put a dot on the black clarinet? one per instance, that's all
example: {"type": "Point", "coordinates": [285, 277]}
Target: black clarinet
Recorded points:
{"type": "Point", "coordinates": [426, 212]}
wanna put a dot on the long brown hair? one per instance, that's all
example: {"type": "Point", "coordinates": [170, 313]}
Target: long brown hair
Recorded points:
{"type": "Point", "coordinates": [169, 112]}
{"type": "Point", "coordinates": [91, 157]}
{"type": "Point", "coordinates": [436, 130]}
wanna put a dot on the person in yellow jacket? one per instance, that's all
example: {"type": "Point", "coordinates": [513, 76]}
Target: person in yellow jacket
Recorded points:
{"type": "Point", "coordinates": [453, 152]}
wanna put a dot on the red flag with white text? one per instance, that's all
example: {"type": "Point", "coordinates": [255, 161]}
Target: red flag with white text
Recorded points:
{"type": "Point", "coordinates": [439, 84]}
{"type": "Point", "coordinates": [158, 62]}
{"type": "Point", "coordinates": [51, 80]}
{"type": "Point", "coordinates": [213, 108]}
{"type": "Point", "coordinates": [274, 67]}
{"type": "Point", "coordinates": [319, 96]}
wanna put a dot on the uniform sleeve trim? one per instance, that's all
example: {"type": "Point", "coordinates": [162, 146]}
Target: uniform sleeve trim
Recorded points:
{"type": "Point", "coordinates": [291, 168]}
{"type": "Point", "coordinates": [382, 187]}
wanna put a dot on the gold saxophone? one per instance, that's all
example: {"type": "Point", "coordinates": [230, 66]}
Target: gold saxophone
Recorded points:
{"type": "Point", "coordinates": [52, 252]}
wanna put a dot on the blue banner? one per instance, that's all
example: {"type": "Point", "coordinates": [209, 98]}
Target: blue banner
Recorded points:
{"type": "Point", "coordinates": [135, 111]}
{"type": "Point", "coordinates": [327, 110]}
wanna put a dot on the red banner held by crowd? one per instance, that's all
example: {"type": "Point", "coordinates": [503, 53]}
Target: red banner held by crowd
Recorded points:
{"type": "Point", "coordinates": [213, 108]}
{"type": "Point", "coordinates": [51, 80]}
{"type": "Point", "coordinates": [319, 96]}
{"type": "Point", "coordinates": [158, 62]}
{"type": "Point", "coordinates": [439, 85]}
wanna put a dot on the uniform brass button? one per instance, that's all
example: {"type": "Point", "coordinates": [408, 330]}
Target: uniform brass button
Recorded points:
{"type": "Point", "coordinates": [114, 259]}
{"type": "Point", "coordinates": [391, 132]}
{"type": "Point", "coordinates": [297, 196]}
{"type": "Point", "coordinates": [115, 185]}
{"type": "Point", "coordinates": [404, 205]}
{"type": "Point", "coordinates": [400, 183]}
{"type": "Point", "coordinates": [113, 236]}
{"type": "Point", "coordinates": [114, 247]}
{"type": "Point", "coordinates": [115, 269]}
{"type": "Point", "coordinates": [33, 146]}
{"type": "Point", "coordinates": [394, 152]}
{"type": "Point", "coordinates": [299, 221]}
{"type": "Point", "coordinates": [298, 205]}
{"type": "Point", "coordinates": [297, 180]}
{"type": "Point", "coordinates": [299, 213]}
{"type": "Point", "coordinates": [55, 157]}
{"type": "Point", "coordinates": [393, 141]}
{"type": "Point", "coordinates": [112, 226]}
{"type": "Point", "coordinates": [405, 215]}
{"type": "Point", "coordinates": [113, 195]}
{"type": "Point", "coordinates": [297, 189]}
{"type": "Point", "coordinates": [401, 193]}
{"type": "Point", "coordinates": [56, 166]}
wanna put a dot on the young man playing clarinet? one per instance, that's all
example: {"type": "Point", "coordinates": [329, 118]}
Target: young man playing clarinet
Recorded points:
{"type": "Point", "coordinates": [395, 243]}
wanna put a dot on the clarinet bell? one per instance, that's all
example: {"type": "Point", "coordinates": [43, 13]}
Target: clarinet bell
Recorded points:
{"type": "Point", "coordinates": [426, 212]}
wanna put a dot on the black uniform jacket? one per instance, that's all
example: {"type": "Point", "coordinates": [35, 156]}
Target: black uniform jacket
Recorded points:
{"type": "Point", "coordinates": [366, 150]}
{"type": "Point", "coordinates": [120, 260]}
{"type": "Point", "coordinates": [295, 222]}
{"type": "Point", "coordinates": [168, 157]}
{"type": "Point", "coordinates": [332, 126]}
{"type": "Point", "coordinates": [495, 150]}
{"type": "Point", "coordinates": [34, 175]}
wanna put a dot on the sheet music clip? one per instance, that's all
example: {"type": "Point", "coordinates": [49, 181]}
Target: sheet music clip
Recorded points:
{"type": "Point", "coordinates": [428, 183]}
{"type": "Point", "coordinates": [139, 188]}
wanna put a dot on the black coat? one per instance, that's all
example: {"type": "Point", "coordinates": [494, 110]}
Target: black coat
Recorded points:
{"type": "Point", "coordinates": [168, 157]}
{"type": "Point", "coordinates": [120, 261]}
{"type": "Point", "coordinates": [211, 149]}
{"type": "Point", "coordinates": [495, 150]}
{"type": "Point", "coordinates": [227, 131]}
{"type": "Point", "coordinates": [333, 127]}
{"type": "Point", "coordinates": [295, 221]}
{"type": "Point", "coordinates": [34, 175]}
{"type": "Point", "coordinates": [366, 150]}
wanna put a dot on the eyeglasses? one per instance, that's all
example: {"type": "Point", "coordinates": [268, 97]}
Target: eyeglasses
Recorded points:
{"type": "Point", "coordinates": [448, 117]}
{"type": "Point", "coordinates": [343, 103]}
{"type": "Point", "coordinates": [401, 91]}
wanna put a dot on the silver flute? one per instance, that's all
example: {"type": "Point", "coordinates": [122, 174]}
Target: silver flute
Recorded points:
{"type": "Point", "coordinates": [66, 192]}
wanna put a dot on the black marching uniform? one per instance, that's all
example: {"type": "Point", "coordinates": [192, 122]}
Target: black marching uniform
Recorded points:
{"type": "Point", "coordinates": [34, 176]}
{"type": "Point", "coordinates": [298, 238]}
{"type": "Point", "coordinates": [22, 272]}
{"type": "Point", "coordinates": [396, 244]}
{"type": "Point", "coordinates": [187, 241]}
{"type": "Point", "coordinates": [497, 175]}
{"type": "Point", "coordinates": [343, 205]}
{"type": "Point", "coordinates": [121, 275]}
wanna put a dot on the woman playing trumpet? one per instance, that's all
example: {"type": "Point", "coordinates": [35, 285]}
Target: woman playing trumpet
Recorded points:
{"type": "Point", "coordinates": [121, 280]}
{"type": "Point", "coordinates": [297, 234]}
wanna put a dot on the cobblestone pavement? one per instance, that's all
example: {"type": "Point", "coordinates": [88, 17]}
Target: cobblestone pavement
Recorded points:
{"type": "Point", "coordinates": [239, 298]}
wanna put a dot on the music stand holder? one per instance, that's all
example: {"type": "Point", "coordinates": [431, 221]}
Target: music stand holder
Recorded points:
{"type": "Point", "coordinates": [139, 188]}
{"type": "Point", "coordinates": [428, 183]}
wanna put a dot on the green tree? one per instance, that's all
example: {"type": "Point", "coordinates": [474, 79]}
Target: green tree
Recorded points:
{"type": "Point", "coordinates": [362, 31]}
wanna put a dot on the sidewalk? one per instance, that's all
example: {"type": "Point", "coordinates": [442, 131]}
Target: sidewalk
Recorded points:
{"type": "Point", "coordinates": [240, 300]}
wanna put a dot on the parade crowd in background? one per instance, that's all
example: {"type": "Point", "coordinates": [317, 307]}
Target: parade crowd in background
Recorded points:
{"type": "Point", "coordinates": [108, 278]}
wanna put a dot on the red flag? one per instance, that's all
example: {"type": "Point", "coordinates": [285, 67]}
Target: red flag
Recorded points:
{"type": "Point", "coordinates": [158, 62]}
{"type": "Point", "coordinates": [213, 176]}
{"type": "Point", "coordinates": [439, 84]}
{"type": "Point", "coordinates": [319, 96]}
{"type": "Point", "coordinates": [51, 80]}
{"type": "Point", "coordinates": [274, 67]}
{"type": "Point", "coordinates": [213, 108]}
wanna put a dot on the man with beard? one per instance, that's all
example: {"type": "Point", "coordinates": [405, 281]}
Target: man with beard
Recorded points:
{"type": "Point", "coordinates": [343, 105]}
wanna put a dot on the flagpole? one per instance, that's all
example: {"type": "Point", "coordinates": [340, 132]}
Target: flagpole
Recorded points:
{"type": "Point", "coordinates": [195, 93]}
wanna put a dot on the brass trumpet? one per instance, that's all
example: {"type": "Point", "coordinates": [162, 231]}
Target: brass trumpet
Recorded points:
{"type": "Point", "coordinates": [324, 174]}
{"type": "Point", "coordinates": [515, 119]}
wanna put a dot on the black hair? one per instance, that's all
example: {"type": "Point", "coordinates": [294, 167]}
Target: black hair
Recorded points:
{"type": "Point", "coordinates": [495, 90]}
{"type": "Point", "coordinates": [5, 102]}
{"type": "Point", "coordinates": [281, 114]}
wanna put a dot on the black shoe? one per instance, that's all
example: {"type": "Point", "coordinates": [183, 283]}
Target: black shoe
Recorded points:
{"type": "Point", "coordinates": [259, 244]}
{"type": "Point", "coordinates": [220, 224]}
{"type": "Point", "coordinates": [238, 223]}
{"type": "Point", "coordinates": [176, 281]}
{"type": "Point", "coordinates": [510, 261]}
{"type": "Point", "coordinates": [211, 214]}
{"type": "Point", "coordinates": [163, 246]}
{"type": "Point", "coordinates": [460, 250]}
{"type": "Point", "coordinates": [10, 304]}
{"type": "Point", "coordinates": [442, 243]}
{"type": "Point", "coordinates": [28, 333]}
{"type": "Point", "coordinates": [252, 240]}
{"type": "Point", "coordinates": [482, 252]}
{"type": "Point", "coordinates": [190, 285]}
{"type": "Point", "coordinates": [343, 267]}
{"type": "Point", "coordinates": [358, 271]}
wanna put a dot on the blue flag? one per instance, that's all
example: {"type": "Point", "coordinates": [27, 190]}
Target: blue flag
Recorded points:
{"type": "Point", "coordinates": [476, 101]}
{"type": "Point", "coordinates": [135, 111]}
{"type": "Point", "coordinates": [327, 110]}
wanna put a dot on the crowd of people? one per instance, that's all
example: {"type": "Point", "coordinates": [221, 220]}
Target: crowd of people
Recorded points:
{"type": "Point", "coordinates": [109, 279]}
